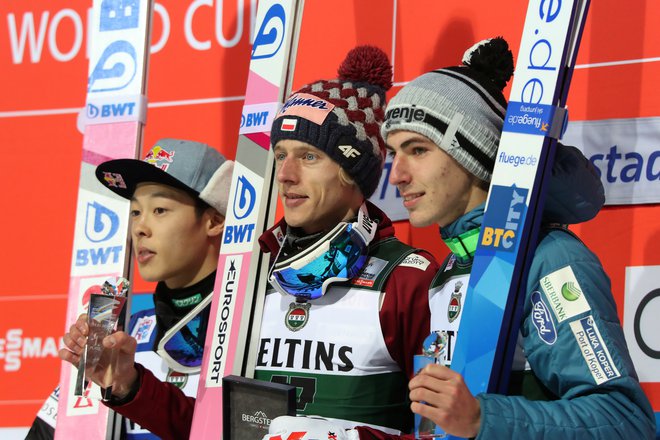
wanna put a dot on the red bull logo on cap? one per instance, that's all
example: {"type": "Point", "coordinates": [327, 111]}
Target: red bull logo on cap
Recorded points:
{"type": "Point", "coordinates": [159, 157]}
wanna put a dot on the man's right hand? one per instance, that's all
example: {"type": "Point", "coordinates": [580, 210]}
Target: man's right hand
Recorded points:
{"type": "Point", "coordinates": [121, 374]}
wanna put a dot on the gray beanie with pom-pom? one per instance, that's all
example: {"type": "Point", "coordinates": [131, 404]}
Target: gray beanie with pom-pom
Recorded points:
{"type": "Point", "coordinates": [460, 108]}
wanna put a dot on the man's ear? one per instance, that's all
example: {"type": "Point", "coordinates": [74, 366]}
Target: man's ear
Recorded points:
{"type": "Point", "coordinates": [215, 223]}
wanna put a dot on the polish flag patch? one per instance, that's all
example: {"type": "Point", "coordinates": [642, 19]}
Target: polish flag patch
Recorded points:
{"type": "Point", "coordinates": [289, 124]}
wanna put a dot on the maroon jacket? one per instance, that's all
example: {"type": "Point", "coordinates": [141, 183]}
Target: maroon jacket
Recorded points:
{"type": "Point", "coordinates": [164, 410]}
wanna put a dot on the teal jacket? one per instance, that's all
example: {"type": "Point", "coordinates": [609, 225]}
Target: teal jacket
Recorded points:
{"type": "Point", "coordinates": [593, 396]}
{"type": "Point", "coordinates": [580, 381]}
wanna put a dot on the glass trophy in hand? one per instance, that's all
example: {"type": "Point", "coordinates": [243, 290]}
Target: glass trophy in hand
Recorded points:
{"type": "Point", "coordinates": [434, 351]}
{"type": "Point", "coordinates": [102, 317]}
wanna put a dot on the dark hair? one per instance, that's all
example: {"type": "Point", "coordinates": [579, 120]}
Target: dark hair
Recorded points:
{"type": "Point", "coordinates": [200, 206]}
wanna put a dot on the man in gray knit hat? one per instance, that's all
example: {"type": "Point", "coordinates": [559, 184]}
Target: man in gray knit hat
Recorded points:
{"type": "Point", "coordinates": [443, 130]}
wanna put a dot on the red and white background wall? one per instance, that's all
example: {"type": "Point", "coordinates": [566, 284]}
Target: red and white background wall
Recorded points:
{"type": "Point", "coordinates": [197, 78]}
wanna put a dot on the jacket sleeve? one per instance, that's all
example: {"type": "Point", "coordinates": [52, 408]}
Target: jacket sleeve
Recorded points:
{"type": "Point", "coordinates": [575, 346]}
{"type": "Point", "coordinates": [170, 418]}
{"type": "Point", "coordinates": [405, 316]}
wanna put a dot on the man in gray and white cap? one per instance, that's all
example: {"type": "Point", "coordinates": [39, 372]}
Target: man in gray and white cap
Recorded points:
{"type": "Point", "coordinates": [179, 196]}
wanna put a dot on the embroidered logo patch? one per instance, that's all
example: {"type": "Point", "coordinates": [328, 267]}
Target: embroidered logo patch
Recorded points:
{"type": "Point", "coordinates": [297, 316]}
{"type": "Point", "coordinates": [542, 319]}
{"type": "Point", "coordinates": [114, 180]}
{"type": "Point", "coordinates": [454, 307]}
{"type": "Point", "coordinates": [187, 302]}
{"type": "Point", "coordinates": [371, 270]}
{"type": "Point", "coordinates": [177, 379]}
{"type": "Point", "coordinates": [415, 260]}
{"type": "Point", "coordinates": [307, 106]}
{"type": "Point", "coordinates": [159, 157]}
{"type": "Point", "coordinates": [450, 263]}
{"type": "Point", "coordinates": [571, 291]}
{"type": "Point", "coordinates": [279, 235]}
{"type": "Point", "coordinates": [564, 294]}
{"type": "Point", "coordinates": [594, 351]}
{"type": "Point", "coordinates": [289, 124]}
{"type": "Point", "coordinates": [143, 329]}
{"type": "Point", "coordinates": [348, 151]}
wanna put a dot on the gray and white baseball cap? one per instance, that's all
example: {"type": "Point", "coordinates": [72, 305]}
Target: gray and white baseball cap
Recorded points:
{"type": "Point", "coordinates": [188, 165]}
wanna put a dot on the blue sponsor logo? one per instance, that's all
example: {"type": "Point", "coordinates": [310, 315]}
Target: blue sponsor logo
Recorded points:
{"type": "Point", "coordinates": [254, 119]}
{"type": "Point", "coordinates": [270, 36]}
{"type": "Point", "coordinates": [119, 15]}
{"type": "Point", "coordinates": [630, 166]}
{"type": "Point", "coordinates": [92, 111]}
{"type": "Point", "coordinates": [111, 72]}
{"type": "Point", "coordinates": [111, 110]}
{"type": "Point", "coordinates": [244, 201]}
{"type": "Point", "coordinates": [244, 198]}
{"type": "Point", "coordinates": [118, 63]}
{"type": "Point", "coordinates": [527, 114]}
{"type": "Point", "coordinates": [507, 206]}
{"type": "Point", "coordinates": [528, 118]}
{"type": "Point", "coordinates": [101, 224]}
{"type": "Point", "coordinates": [297, 101]}
{"type": "Point", "coordinates": [516, 160]}
{"type": "Point", "coordinates": [542, 319]}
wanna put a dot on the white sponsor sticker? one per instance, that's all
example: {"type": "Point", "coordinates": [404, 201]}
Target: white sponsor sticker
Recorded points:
{"type": "Point", "coordinates": [564, 294]}
{"type": "Point", "coordinates": [415, 260]}
{"type": "Point", "coordinates": [594, 351]}
{"type": "Point", "coordinates": [370, 272]}
{"type": "Point", "coordinates": [143, 329]}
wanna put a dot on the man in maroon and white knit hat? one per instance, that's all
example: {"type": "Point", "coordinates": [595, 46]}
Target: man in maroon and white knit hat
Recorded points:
{"type": "Point", "coordinates": [349, 304]}
{"type": "Point", "coordinates": [342, 117]}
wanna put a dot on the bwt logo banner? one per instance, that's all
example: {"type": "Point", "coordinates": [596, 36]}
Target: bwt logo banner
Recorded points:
{"type": "Point", "coordinates": [504, 218]}
{"type": "Point", "coordinates": [116, 62]}
{"type": "Point", "coordinates": [257, 118]}
{"type": "Point", "coordinates": [107, 110]}
{"type": "Point", "coordinates": [101, 226]}
{"type": "Point", "coordinates": [115, 109]}
{"type": "Point", "coordinates": [242, 216]}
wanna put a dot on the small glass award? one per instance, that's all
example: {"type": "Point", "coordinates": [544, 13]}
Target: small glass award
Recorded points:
{"type": "Point", "coordinates": [434, 351]}
{"type": "Point", "coordinates": [102, 317]}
